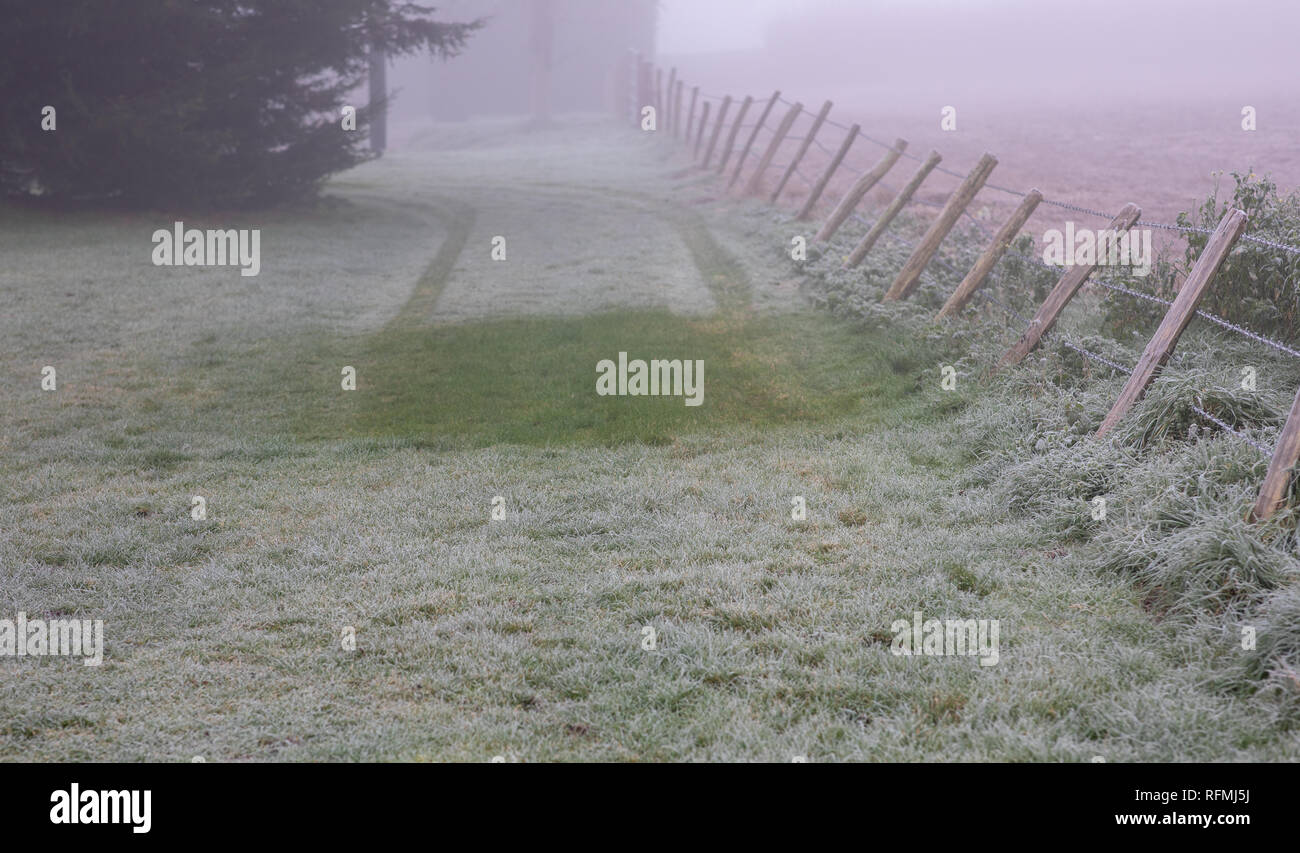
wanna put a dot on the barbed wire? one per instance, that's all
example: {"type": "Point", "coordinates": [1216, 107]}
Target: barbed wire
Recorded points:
{"type": "Point", "coordinates": [997, 188]}
{"type": "Point", "coordinates": [854, 169]}
{"type": "Point", "coordinates": [938, 168]}
{"type": "Point", "coordinates": [1271, 244]}
{"type": "Point", "coordinates": [1185, 229]}
{"type": "Point", "coordinates": [1119, 288]}
{"type": "Point", "coordinates": [1053, 336]}
{"type": "Point", "coordinates": [1066, 205]}
{"type": "Point", "coordinates": [1087, 353]}
{"type": "Point", "coordinates": [1255, 336]}
{"type": "Point", "coordinates": [1100, 359]}
{"type": "Point", "coordinates": [823, 147]}
{"type": "Point", "coordinates": [1108, 284]}
{"type": "Point", "coordinates": [1196, 407]}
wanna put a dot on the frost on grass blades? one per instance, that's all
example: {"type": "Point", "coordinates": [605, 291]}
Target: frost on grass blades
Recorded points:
{"type": "Point", "coordinates": [214, 247]}
{"type": "Point", "coordinates": [655, 378]}
{"type": "Point", "coordinates": [22, 637]}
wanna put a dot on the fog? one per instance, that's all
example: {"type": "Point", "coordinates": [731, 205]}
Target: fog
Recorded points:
{"type": "Point", "coordinates": [1078, 97]}
{"type": "Point", "coordinates": [998, 50]}
{"type": "Point", "coordinates": [994, 51]}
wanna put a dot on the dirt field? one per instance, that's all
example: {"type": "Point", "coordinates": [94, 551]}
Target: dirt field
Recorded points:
{"type": "Point", "coordinates": [1097, 152]}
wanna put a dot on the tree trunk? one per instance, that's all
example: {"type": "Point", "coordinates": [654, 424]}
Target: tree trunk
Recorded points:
{"type": "Point", "coordinates": [378, 102]}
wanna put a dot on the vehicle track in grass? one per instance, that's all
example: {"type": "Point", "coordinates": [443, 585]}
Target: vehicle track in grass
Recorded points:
{"type": "Point", "coordinates": [575, 245]}
{"type": "Point", "coordinates": [484, 351]}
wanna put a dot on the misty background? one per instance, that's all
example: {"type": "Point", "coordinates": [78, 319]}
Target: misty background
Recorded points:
{"type": "Point", "coordinates": [1083, 100]}
{"type": "Point", "coordinates": [990, 52]}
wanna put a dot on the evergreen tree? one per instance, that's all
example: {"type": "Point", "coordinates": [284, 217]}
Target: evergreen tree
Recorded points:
{"type": "Point", "coordinates": [212, 102]}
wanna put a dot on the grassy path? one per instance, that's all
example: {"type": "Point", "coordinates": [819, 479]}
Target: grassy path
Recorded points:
{"type": "Point", "coordinates": [371, 511]}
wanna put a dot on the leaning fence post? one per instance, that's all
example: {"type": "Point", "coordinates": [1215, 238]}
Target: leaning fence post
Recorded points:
{"type": "Point", "coordinates": [717, 130]}
{"type": "Point", "coordinates": [1272, 493]}
{"type": "Point", "coordinates": [992, 254]}
{"type": "Point", "coordinates": [1162, 343]}
{"type": "Point", "coordinates": [859, 189]}
{"type": "Point", "coordinates": [753, 135]}
{"type": "Point", "coordinates": [690, 117]}
{"type": "Point", "coordinates": [777, 138]}
{"type": "Point", "coordinates": [735, 131]}
{"type": "Point", "coordinates": [803, 149]}
{"type": "Point", "coordinates": [816, 194]}
{"type": "Point", "coordinates": [900, 201]}
{"type": "Point", "coordinates": [910, 274]}
{"type": "Point", "coordinates": [1066, 287]}
{"type": "Point", "coordinates": [704, 120]}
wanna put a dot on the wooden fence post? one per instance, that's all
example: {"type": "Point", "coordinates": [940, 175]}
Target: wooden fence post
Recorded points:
{"type": "Point", "coordinates": [638, 89]}
{"type": "Point", "coordinates": [910, 274]}
{"type": "Point", "coordinates": [1162, 343]}
{"type": "Point", "coordinates": [753, 135]}
{"type": "Point", "coordinates": [620, 88]}
{"type": "Point", "coordinates": [668, 104]}
{"type": "Point", "coordinates": [900, 201]}
{"type": "Point", "coordinates": [633, 89]}
{"type": "Point", "coordinates": [803, 149]}
{"type": "Point", "coordinates": [997, 247]}
{"type": "Point", "coordinates": [756, 179]}
{"type": "Point", "coordinates": [816, 194]}
{"type": "Point", "coordinates": [690, 117]}
{"type": "Point", "coordinates": [859, 189]}
{"type": "Point", "coordinates": [677, 111]}
{"type": "Point", "coordinates": [704, 120]}
{"type": "Point", "coordinates": [378, 80]}
{"type": "Point", "coordinates": [649, 91]}
{"type": "Point", "coordinates": [717, 129]}
{"type": "Point", "coordinates": [1272, 493]}
{"type": "Point", "coordinates": [735, 131]}
{"type": "Point", "coordinates": [1064, 291]}
{"type": "Point", "coordinates": [659, 98]}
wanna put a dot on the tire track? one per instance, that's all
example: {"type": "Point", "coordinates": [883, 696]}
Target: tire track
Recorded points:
{"type": "Point", "coordinates": [722, 273]}
{"type": "Point", "coordinates": [459, 219]}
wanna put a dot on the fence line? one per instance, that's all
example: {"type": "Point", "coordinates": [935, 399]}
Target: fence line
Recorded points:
{"type": "Point", "coordinates": [645, 84]}
{"type": "Point", "coordinates": [787, 122]}
{"type": "Point", "coordinates": [749, 144]}
{"type": "Point", "coordinates": [807, 141]}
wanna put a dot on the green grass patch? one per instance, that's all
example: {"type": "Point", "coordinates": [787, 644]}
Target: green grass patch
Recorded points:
{"type": "Point", "coordinates": [533, 380]}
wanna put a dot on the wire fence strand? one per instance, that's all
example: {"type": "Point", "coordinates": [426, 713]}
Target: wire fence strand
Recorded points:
{"type": "Point", "coordinates": [1107, 283]}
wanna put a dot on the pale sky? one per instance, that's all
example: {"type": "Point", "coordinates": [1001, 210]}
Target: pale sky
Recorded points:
{"type": "Point", "coordinates": [695, 26]}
